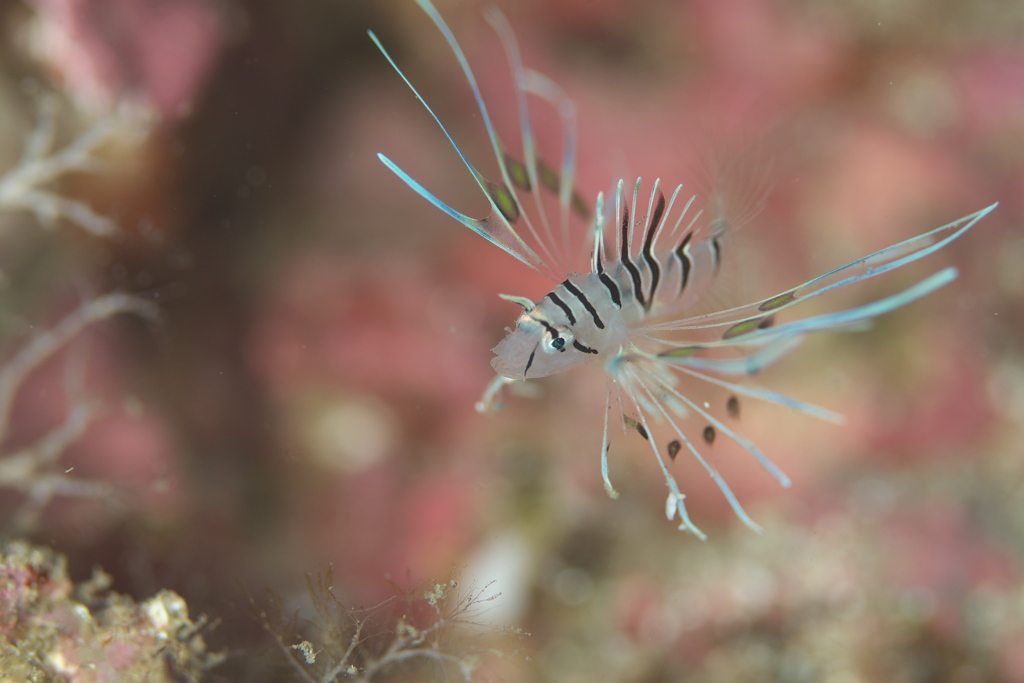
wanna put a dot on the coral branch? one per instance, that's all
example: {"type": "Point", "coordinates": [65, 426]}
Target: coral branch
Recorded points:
{"type": "Point", "coordinates": [366, 645]}
{"type": "Point", "coordinates": [24, 187]}
{"type": "Point", "coordinates": [33, 470]}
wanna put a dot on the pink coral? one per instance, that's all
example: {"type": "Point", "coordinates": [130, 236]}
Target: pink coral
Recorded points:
{"type": "Point", "coordinates": [86, 634]}
{"type": "Point", "coordinates": [108, 49]}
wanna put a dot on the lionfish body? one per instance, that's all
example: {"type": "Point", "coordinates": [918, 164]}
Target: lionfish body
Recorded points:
{"type": "Point", "coordinates": [594, 316]}
{"type": "Point", "coordinates": [628, 309]}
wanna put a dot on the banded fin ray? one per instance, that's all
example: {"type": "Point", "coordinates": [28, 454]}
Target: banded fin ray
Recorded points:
{"type": "Point", "coordinates": [866, 267]}
{"type": "Point", "coordinates": [675, 504]}
{"type": "Point", "coordinates": [530, 82]}
{"type": "Point", "coordinates": [858, 317]}
{"type": "Point", "coordinates": [694, 367]}
{"type": "Point", "coordinates": [569, 199]}
{"type": "Point", "coordinates": [723, 428]}
{"type": "Point", "coordinates": [495, 229]}
{"type": "Point", "coordinates": [536, 244]}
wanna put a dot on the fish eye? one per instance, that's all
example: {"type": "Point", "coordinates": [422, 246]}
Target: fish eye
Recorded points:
{"type": "Point", "coordinates": [558, 339]}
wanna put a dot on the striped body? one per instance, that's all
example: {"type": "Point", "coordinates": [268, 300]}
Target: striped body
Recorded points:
{"type": "Point", "coordinates": [631, 308]}
{"type": "Point", "coordinates": [593, 316]}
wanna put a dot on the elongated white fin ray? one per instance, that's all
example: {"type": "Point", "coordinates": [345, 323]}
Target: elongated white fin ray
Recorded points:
{"type": "Point", "coordinates": [548, 243]}
{"type": "Point", "coordinates": [528, 81]}
{"type": "Point", "coordinates": [747, 445]}
{"type": "Point", "coordinates": [768, 396]}
{"type": "Point", "coordinates": [618, 215]}
{"type": "Point", "coordinates": [597, 253]}
{"type": "Point", "coordinates": [854, 317]}
{"type": "Point", "coordinates": [657, 406]}
{"type": "Point", "coordinates": [605, 445]}
{"type": "Point", "coordinates": [668, 214]}
{"type": "Point", "coordinates": [497, 232]}
{"type": "Point", "coordinates": [676, 504]}
{"type": "Point", "coordinates": [776, 342]}
{"type": "Point", "coordinates": [492, 134]}
{"type": "Point", "coordinates": [693, 220]}
{"type": "Point", "coordinates": [875, 264]}
{"type": "Point", "coordinates": [652, 392]}
{"type": "Point", "coordinates": [744, 365]}
{"type": "Point", "coordinates": [633, 219]}
{"type": "Point", "coordinates": [497, 227]}
{"type": "Point", "coordinates": [491, 401]}
{"type": "Point", "coordinates": [540, 85]}
{"type": "Point", "coordinates": [529, 238]}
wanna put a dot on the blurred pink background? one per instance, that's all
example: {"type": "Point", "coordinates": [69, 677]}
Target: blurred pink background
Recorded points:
{"type": "Point", "coordinates": [307, 396]}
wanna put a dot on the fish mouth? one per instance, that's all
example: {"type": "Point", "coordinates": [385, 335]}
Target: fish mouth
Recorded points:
{"type": "Point", "coordinates": [513, 368]}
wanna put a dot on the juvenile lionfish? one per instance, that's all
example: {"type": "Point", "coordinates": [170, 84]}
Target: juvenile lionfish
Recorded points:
{"type": "Point", "coordinates": [628, 312]}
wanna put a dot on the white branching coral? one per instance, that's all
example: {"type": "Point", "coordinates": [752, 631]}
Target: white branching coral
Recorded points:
{"type": "Point", "coordinates": [32, 186]}
{"type": "Point", "coordinates": [28, 185]}
{"type": "Point", "coordinates": [34, 470]}
{"type": "Point", "coordinates": [437, 629]}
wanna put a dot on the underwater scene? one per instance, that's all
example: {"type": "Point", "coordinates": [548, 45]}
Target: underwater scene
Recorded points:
{"type": "Point", "coordinates": [723, 382]}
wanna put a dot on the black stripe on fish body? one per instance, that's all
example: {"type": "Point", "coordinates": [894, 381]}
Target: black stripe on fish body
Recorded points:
{"type": "Point", "coordinates": [581, 347]}
{"type": "Point", "coordinates": [529, 362]}
{"type": "Point", "coordinates": [652, 229]}
{"type": "Point", "coordinates": [716, 253]}
{"type": "Point", "coordinates": [627, 261]}
{"type": "Point", "coordinates": [564, 306]}
{"type": "Point", "coordinates": [575, 291]}
{"type": "Point", "coordinates": [613, 289]}
{"type": "Point", "coordinates": [684, 260]}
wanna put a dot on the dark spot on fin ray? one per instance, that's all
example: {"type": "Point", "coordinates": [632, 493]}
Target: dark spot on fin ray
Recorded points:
{"type": "Point", "coordinates": [681, 352]}
{"type": "Point", "coordinates": [517, 173]}
{"type": "Point", "coordinates": [503, 199]}
{"type": "Point", "coordinates": [633, 424]}
{"type": "Point", "coordinates": [777, 302]}
{"type": "Point", "coordinates": [552, 182]}
{"type": "Point", "coordinates": [548, 178]}
{"type": "Point", "coordinates": [732, 406]}
{"type": "Point", "coordinates": [580, 206]}
{"type": "Point", "coordinates": [746, 326]}
{"type": "Point", "coordinates": [673, 448]}
{"type": "Point", "coordinates": [709, 434]}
